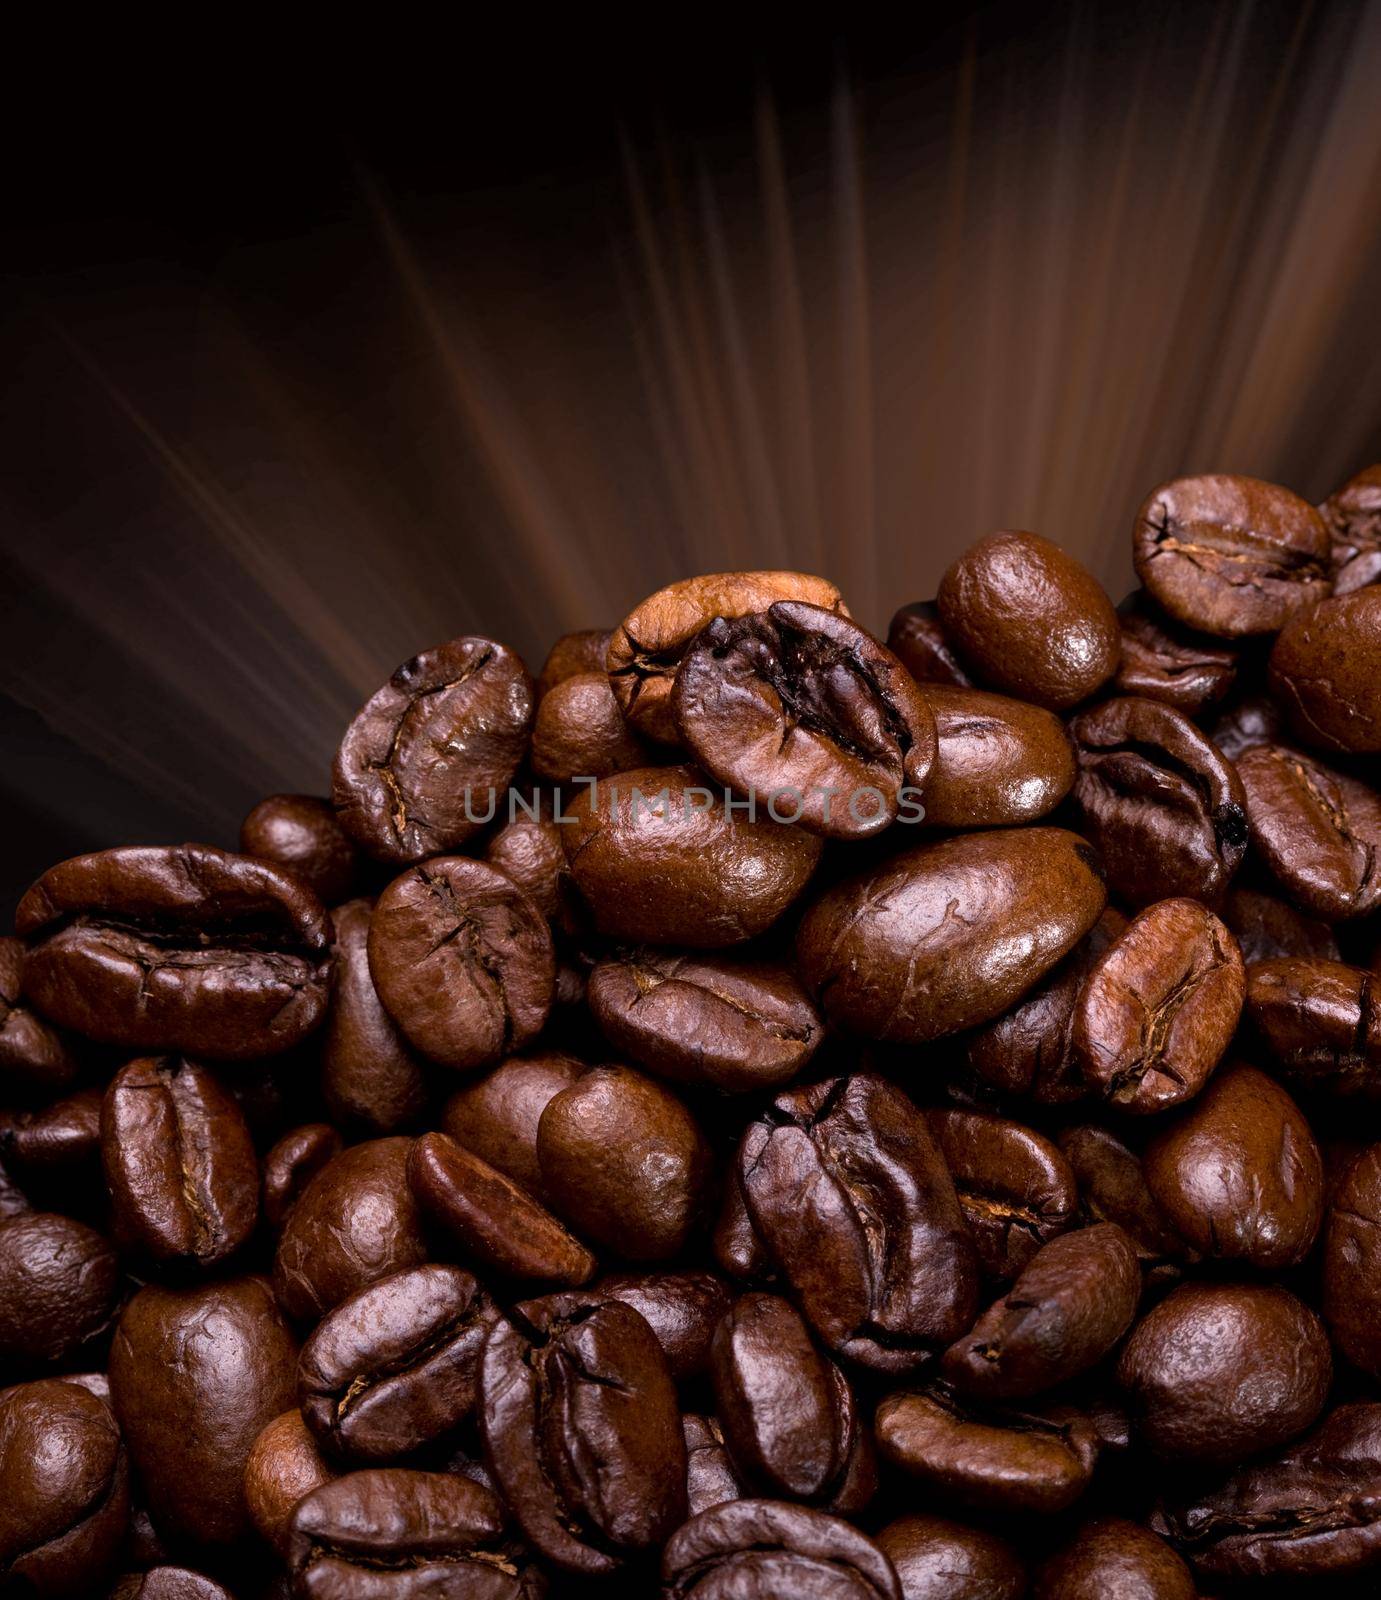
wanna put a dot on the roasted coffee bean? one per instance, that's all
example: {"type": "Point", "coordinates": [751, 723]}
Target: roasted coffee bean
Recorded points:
{"type": "Point", "coordinates": [682, 1308]}
{"type": "Point", "coordinates": [179, 1163]}
{"type": "Point", "coordinates": [715, 1022]}
{"type": "Point", "coordinates": [998, 762]}
{"type": "Point", "coordinates": [396, 1365]}
{"type": "Point", "coordinates": [1028, 1051]}
{"type": "Point", "coordinates": [1249, 721]}
{"type": "Point", "coordinates": [391, 1533]}
{"type": "Point", "coordinates": [1230, 556]}
{"type": "Point", "coordinates": [1026, 618]}
{"type": "Point", "coordinates": [462, 960]}
{"type": "Point", "coordinates": [1352, 516]}
{"type": "Point", "coordinates": [1318, 831]}
{"type": "Point", "coordinates": [425, 759]}
{"type": "Point", "coordinates": [582, 1431]}
{"type": "Point", "coordinates": [1113, 1188]}
{"type": "Point", "coordinates": [292, 1164]}
{"type": "Point", "coordinates": [571, 654]}
{"type": "Point", "coordinates": [169, 1583]}
{"type": "Point", "coordinates": [283, 1465]}
{"type": "Point", "coordinates": [61, 1140]}
{"type": "Point", "coordinates": [580, 732]}
{"type": "Point", "coordinates": [850, 1194]}
{"type": "Point", "coordinates": [1015, 1188]}
{"type": "Point", "coordinates": [1217, 1372]}
{"type": "Point", "coordinates": [1311, 1512]}
{"type": "Point", "coordinates": [1266, 927]}
{"type": "Point", "coordinates": [710, 1476]}
{"type": "Point", "coordinates": [1352, 1263]}
{"type": "Point", "coordinates": [357, 1221]}
{"type": "Point", "coordinates": [59, 1281]}
{"type": "Point", "coordinates": [948, 935]}
{"type": "Point", "coordinates": [529, 850]}
{"type": "Point", "coordinates": [1164, 662]}
{"type": "Point", "coordinates": [992, 1459]}
{"type": "Point", "coordinates": [370, 1077]}
{"type": "Point", "coordinates": [737, 1248]}
{"type": "Point", "coordinates": [1165, 810]}
{"type": "Point", "coordinates": [194, 1376]}
{"type": "Point", "coordinates": [1320, 1024]}
{"type": "Point", "coordinates": [177, 948]}
{"type": "Point", "coordinates": [1325, 671]}
{"type": "Point", "coordinates": [1065, 1312]}
{"type": "Point", "coordinates": [1111, 1556]}
{"type": "Point", "coordinates": [36, 1059]}
{"type": "Point", "coordinates": [496, 1224]}
{"type": "Point", "coordinates": [660, 858]}
{"type": "Point", "coordinates": [1238, 1173]}
{"type": "Point", "coordinates": [918, 641]}
{"type": "Point", "coordinates": [1159, 1008]}
{"type": "Point", "coordinates": [787, 1412]}
{"type": "Point", "coordinates": [770, 1548]}
{"type": "Point", "coordinates": [624, 1163]}
{"type": "Point", "coordinates": [65, 1505]}
{"type": "Point", "coordinates": [13, 1201]}
{"type": "Point", "coordinates": [797, 701]}
{"type": "Point", "coordinates": [497, 1115]}
{"type": "Point", "coordinates": [937, 1559]}
{"type": "Point", "coordinates": [300, 833]}
{"type": "Point", "coordinates": [647, 646]}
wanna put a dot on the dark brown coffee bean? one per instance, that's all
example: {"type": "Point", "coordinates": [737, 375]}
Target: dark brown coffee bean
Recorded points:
{"type": "Point", "coordinates": [59, 1281]}
{"type": "Point", "coordinates": [659, 858]}
{"type": "Point", "coordinates": [738, 1251]}
{"type": "Point", "coordinates": [682, 1308]}
{"type": "Point", "coordinates": [61, 1140]}
{"type": "Point", "coordinates": [582, 1431]}
{"type": "Point", "coordinates": [13, 1201]}
{"type": "Point", "coordinates": [710, 1476]}
{"type": "Point", "coordinates": [1352, 1263]}
{"type": "Point", "coordinates": [998, 762]}
{"type": "Point", "coordinates": [1320, 1023]}
{"type": "Point", "coordinates": [497, 1225]}
{"type": "Point", "coordinates": [647, 646]}
{"type": "Point", "coordinates": [580, 732]}
{"type": "Point", "coordinates": [1238, 1173]}
{"type": "Point", "coordinates": [716, 1022]}
{"type": "Point", "coordinates": [799, 701]}
{"type": "Point", "coordinates": [1111, 1556]}
{"type": "Point", "coordinates": [1249, 721]}
{"type": "Point", "coordinates": [1324, 672]}
{"type": "Point", "coordinates": [1266, 927]}
{"type": "Point", "coordinates": [918, 641]}
{"type": "Point", "coordinates": [995, 1459]}
{"type": "Point", "coordinates": [357, 1221]}
{"type": "Point", "coordinates": [1318, 831]}
{"type": "Point", "coordinates": [300, 833]}
{"type": "Point", "coordinates": [396, 1365]}
{"type": "Point", "coordinates": [497, 1115]}
{"type": "Point", "coordinates": [571, 654]}
{"type": "Point", "coordinates": [1230, 556]}
{"type": "Point", "coordinates": [948, 935]}
{"type": "Point", "coordinates": [1166, 811]}
{"type": "Point", "coordinates": [65, 1506]}
{"type": "Point", "coordinates": [1113, 1188]}
{"type": "Point", "coordinates": [283, 1465]}
{"type": "Point", "coordinates": [1065, 1312]}
{"type": "Point", "coordinates": [849, 1193]}
{"type": "Point", "coordinates": [36, 1059]}
{"type": "Point", "coordinates": [419, 766]}
{"type": "Point", "coordinates": [292, 1164]}
{"type": "Point", "coordinates": [169, 1583]}
{"type": "Point", "coordinates": [1160, 1007]}
{"type": "Point", "coordinates": [1026, 618]}
{"type": "Point", "coordinates": [179, 1163]}
{"type": "Point", "coordinates": [1352, 516]}
{"type": "Point", "coordinates": [624, 1163]}
{"type": "Point", "coordinates": [1161, 661]}
{"type": "Point", "coordinates": [769, 1548]}
{"type": "Point", "coordinates": [1015, 1188]}
{"type": "Point", "coordinates": [194, 1375]}
{"type": "Point", "coordinates": [180, 948]}
{"type": "Point", "coordinates": [529, 850]}
{"type": "Point", "coordinates": [937, 1559]}
{"type": "Point", "coordinates": [462, 960]}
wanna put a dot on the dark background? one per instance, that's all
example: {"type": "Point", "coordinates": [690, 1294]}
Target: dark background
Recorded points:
{"type": "Point", "coordinates": [320, 352]}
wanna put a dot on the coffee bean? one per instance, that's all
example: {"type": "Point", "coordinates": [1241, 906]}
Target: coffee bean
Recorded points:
{"type": "Point", "coordinates": [918, 641]}
{"type": "Point", "coordinates": [292, 1164]}
{"type": "Point", "coordinates": [999, 762]}
{"type": "Point", "coordinates": [529, 851]}
{"type": "Point", "coordinates": [283, 1465]}
{"type": "Point", "coordinates": [1162, 661]}
{"type": "Point", "coordinates": [1319, 1022]}
{"type": "Point", "coordinates": [1324, 669]}
{"type": "Point", "coordinates": [937, 1559]}
{"type": "Point", "coordinates": [59, 1282]}
{"type": "Point", "coordinates": [1112, 1556]}
{"type": "Point", "coordinates": [1266, 927]}
{"type": "Point", "coordinates": [183, 948]}
{"type": "Point", "coordinates": [36, 1059]}
{"type": "Point", "coordinates": [300, 833]}
{"type": "Point", "coordinates": [498, 1114]}
{"type": "Point", "coordinates": [169, 1583]}
{"type": "Point", "coordinates": [580, 732]}
{"type": "Point", "coordinates": [1230, 556]}
{"type": "Point", "coordinates": [571, 654]}
{"type": "Point", "coordinates": [1248, 721]}
{"type": "Point", "coordinates": [1113, 1188]}
{"type": "Point", "coordinates": [60, 1141]}
{"type": "Point", "coordinates": [710, 1476]}
{"type": "Point", "coordinates": [1352, 1262]}
{"type": "Point", "coordinates": [1352, 516]}
{"type": "Point", "coordinates": [682, 1308]}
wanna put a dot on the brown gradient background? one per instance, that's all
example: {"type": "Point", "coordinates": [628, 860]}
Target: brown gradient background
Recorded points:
{"type": "Point", "coordinates": [292, 401]}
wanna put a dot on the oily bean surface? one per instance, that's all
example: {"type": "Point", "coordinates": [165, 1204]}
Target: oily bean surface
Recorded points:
{"type": "Point", "coordinates": [999, 762]}
{"type": "Point", "coordinates": [300, 833]}
{"type": "Point", "coordinates": [918, 641]}
{"type": "Point", "coordinates": [1352, 516]}
{"type": "Point", "coordinates": [1161, 661]}
{"type": "Point", "coordinates": [1323, 671]}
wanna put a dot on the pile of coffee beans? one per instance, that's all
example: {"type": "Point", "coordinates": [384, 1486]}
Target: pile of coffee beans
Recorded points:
{"type": "Point", "coordinates": [756, 1114]}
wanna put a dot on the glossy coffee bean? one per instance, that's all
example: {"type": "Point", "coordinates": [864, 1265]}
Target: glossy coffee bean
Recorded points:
{"type": "Point", "coordinates": [292, 1164]}
{"type": "Point", "coordinates": [580, 732]}
{"type": "Point", "coordinates": [1352, 1263]}
{"type": "Point", "coordinates": [573, 653]}
{"type": "Point", "coordinates": [1230, 556]}
{"type": "Point", "coordinates": [1027, 619]}
{"type": "Point", "coordinates": [1159, 1008]}
{"type": "Point", "coordinates": [710, 1476]}
{"type": "Point", "coordinates": [1250, 720]}
{"type": "Point", "coordinates": [647, 646]}
{"type": "Point", "coordinates": [65, 1489]}
{"type": "Point", "coordinates": [682, 1308]}
{"type": "Point", "coordinates": [999, 762]}
{"type": "Point", "coordinates": [624, 1163]}
{"type": "Point", "coordinates": [418, 766]}
{"type": "Point", "coordinates": [582, 1431]}
{"type": "Point", "coordinates": [918, 641]}
{"type": "Point", "coordinates": [1266, 927]}
{"type": "Point", "coordinates": [1113, 1188]}
{"type": "Point", "coordinates": [659, 857]}
{"type": "Point", "coordinates": [797, 700]}
{"type": "Point", "coordinates": [1352, 516]}
{"type": "Point", "coordinates": [61, 1140]}
{"type": "Point", "coordinates": [851, 1198]}
{"type": "Point", "coordinates": [947, 936]}
{"type": "Point", "coordinates": [937, 1559]}
{"type": "Point", "coordinates": [182, 948]}
{"type": "Point", "coordinates": [219, 1353]}
{"type": "Point", "coordinates": [1162, 661]}
{"type": "Point", "coordinates": [59, 1284]}
{"type": "Point", "coordinates": [711, 1021]}
{"type": "Point", "coordinates": [1112, 1556]}
{"type": "Point", "coordinates": [179, 1163]}
{"type": "Point", "coordinates": [770, 1548]}
{"type": "Point", "coordinates": [284, 1464]}
{"type": "Point", "coordinates": [1065, 1312]}
{"type": "Point", "coordinates": [529, 850]}
{"type": "Point", "coordinates": [1323, 671]}
{"type": "Point", "coordinates": [1238, 1173]}
{"type": "Point", "coordinates": [1319, 1023]}
{"type": "Point", "coordinates": [169, 1583]}
{"type": "Point", "coordinates": [357, 1221]}
{"type": "Point", "coordinates": [495, 1224]}
{"type": "Point", "coordinates": [300, 833]}
{"type": "Point", "coordinates": [36, 1059]}
{"type": "Point", "coordinates": [396, 1365]}
{"type": "Point", "coordinates": [497, 1115]}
